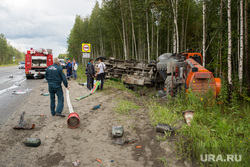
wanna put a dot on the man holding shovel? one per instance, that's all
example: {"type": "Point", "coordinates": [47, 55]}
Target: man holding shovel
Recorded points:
{"type": "Point", "coordinates": [55, 76]}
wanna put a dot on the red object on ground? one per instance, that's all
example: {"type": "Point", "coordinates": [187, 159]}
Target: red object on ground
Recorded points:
{"type": "Point", "coordinates": [99, 160]}
{"type": "Point", "coordinates": [138, 146]}
{"type": "Point", "coordinates": [73, 120]}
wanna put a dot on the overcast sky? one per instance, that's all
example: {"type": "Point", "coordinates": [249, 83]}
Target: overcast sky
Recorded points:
{"type": "Point", "coordinates": [41, 23]}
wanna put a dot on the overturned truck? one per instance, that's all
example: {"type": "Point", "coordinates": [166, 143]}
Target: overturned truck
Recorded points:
{"type": "Point", "coordinates": [132, 72]}
{"type": "Point", "coordinates": [171, 72]}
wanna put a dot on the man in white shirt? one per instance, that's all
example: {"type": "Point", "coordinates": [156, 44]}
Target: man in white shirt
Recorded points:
{"type": "Point", "coordinates": [75, 66]}
{"type": "Point", "coordinates": [101, 72]}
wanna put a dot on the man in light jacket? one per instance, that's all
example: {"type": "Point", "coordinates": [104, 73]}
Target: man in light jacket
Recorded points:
{"type": "Point", "coordinates": [75, 66]}
{"type": "Point", "coordinates": [100, 74]}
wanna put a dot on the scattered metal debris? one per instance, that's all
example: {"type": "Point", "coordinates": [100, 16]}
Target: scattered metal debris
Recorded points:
{"type": "Point", "coordinates": [164, 128]}
{"type": "Point", "coordinates": [117, 131]}
{"type": "Point", "coordinates": [20, 92]}
{"type": "Point", "coordinates": [188, 116]}
{"type": "Point", "coordinates": [11, 76]}
{"type": "Point", "coordinates": [21, 124]}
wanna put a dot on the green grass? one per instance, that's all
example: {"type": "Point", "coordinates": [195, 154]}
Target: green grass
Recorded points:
{"type": "Point", "coordinates": [10, 64]}
{"type": "Point", "coordinates": [125, 107]}
{"type": "Point", "coordinates": [81, 76]}
{"type": "Point", "coordinates": [216, 128]}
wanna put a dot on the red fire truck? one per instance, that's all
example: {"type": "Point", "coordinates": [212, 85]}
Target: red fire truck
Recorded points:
{"type": "Point", "coordinates": [36, 62]}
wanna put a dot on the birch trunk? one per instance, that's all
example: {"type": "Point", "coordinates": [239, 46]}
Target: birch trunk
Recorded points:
{"type": "Point", "coordinates": [148, 35]}
{"type": "Point", "coordinates": [157, 40]}
{"type": "Point", "coordinates": [204, 33]}
{"type": "Point", "coordinates": [221, 14]}
{"type": "Point", "coordinates": [174, 42]}
{"type": "Point", "coordinates": [123, 32]}
{"type": "Point", "coordinates": [152, 35]}
{"type": "Point", "coordinates": [241, 46]}
{"type": "Point", "coordinates": [182, 30]}
{"type": "Point", "coordinates": [168, 38]}
{"type": "Point", "coordinates": [246, 46]}
{"type": "Point", "coordinates": [176, 34]}
{"type": "Point", "coordinates": [185, 40]}
{"type": "Point", "coordinates": [229, 45]}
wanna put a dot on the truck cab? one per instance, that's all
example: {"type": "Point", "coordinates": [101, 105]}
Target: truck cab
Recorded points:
{"type": "Point", "coordinates": [37, 61]}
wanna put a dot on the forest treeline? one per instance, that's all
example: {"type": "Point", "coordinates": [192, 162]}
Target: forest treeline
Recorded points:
{"type": "Point", "coordinates": [7, 52]}
{"type": "Point", "coordinates": [145, 29]}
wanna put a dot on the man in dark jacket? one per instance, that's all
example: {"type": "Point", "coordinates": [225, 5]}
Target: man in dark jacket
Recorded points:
{"type": "Point", "coordinates": [55, 76]}
{"type": "Point", "coordinates": [90, 74]}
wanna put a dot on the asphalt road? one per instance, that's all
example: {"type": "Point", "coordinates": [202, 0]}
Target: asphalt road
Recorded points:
{"type": "Point", "coordinates": [10, 102]}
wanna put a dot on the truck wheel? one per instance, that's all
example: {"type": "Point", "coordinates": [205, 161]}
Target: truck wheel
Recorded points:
{"type": "Point", "coordinates": [29, 77]}
{"type": "Point", "coordinates": [168, 86]}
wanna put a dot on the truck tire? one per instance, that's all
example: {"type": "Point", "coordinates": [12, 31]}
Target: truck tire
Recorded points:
{"type": "Point", "coordinates": [168, 83]}
{"type": "Point", "coordinates": [168, 86]}
{"type": "Point", "coordinates": [29, 77]}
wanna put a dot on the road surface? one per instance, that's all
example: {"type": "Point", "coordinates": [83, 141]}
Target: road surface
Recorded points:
{"type": "Point", "coordinates": [9, 102]}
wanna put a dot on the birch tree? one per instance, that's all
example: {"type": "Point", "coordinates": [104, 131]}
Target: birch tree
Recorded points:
{"type": "Point", "coordinates": [247, 73]}
{"type": "Point", "coordinates": [123, 32]}
{"type": "Point", "coordinates": [204, 33]}
{"type": "Point", "coordinates": [147, 33]}
{"type": "Point", "coordinates": [229, 44]}
{"type": "Point", "coordinates": [241, 46]}
{"type": "Point", "coordinates": [220, 49]}
{"type": "Point", "coordinates": [176, 34]}
{"type": "Point", "coordinates": [133, 30]}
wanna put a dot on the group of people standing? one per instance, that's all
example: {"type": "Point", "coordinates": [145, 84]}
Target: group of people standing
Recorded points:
{"type": "Point", "coordinates": [71, 68]}
{"type": "Point", "coordinates": [55, 76]}
{"type": "Point", "coordinates": [90, 72]}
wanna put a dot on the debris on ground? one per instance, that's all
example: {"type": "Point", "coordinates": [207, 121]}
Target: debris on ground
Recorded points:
{"type": "Point", "coordinates": [138, 147]}
{"type": "Point", "coordinates": [130, 141]}
{"type": "Point", "coordinates": [117, 131]}
{"type": "Point", "coordinates": [99, 160]}
{"type": "Point", "coordinates": [32, 142]}
{"type": "Point", "coordinates": [20, 92]}
{"type": "Point", "coordinates": [188, 116]}
{"type": "Point", "coordinates": [162, 128]}
{"type": "Point", "coordinates": [162, 93]}
{"type": "Point", "coordinates": [44, 80]}
{"type": "Point", "coordinates": [11, 76]}
{"type": "Point", "coordinates": [118, 141]}
{"type": "Point", "coordinates": [76, 163]}
{"type": "Point", "coordinates": [44, 94]}
{"type": "Point", "coordinates": [96, 107]}
{"type": "Point", "coordinates": [21, 124]}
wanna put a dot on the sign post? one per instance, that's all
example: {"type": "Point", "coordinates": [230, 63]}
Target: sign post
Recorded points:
{"type": "Point", "coordinates": [86, 49]}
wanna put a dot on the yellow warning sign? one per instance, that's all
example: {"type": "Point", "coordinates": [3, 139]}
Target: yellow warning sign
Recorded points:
{"type": "Point", "coordinates": [86, 47]}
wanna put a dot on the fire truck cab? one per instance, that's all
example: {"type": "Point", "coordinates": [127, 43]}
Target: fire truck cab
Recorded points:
{"type": "Point", "coordinates": [36, 62]}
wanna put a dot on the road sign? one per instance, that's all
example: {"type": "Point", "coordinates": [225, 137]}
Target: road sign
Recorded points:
{"type": "Point", "coordinates": [86, 55]}
{"type": "Point", "coordinates": [86, 47]}
{"type": "Point", "coordinates": [13, 59]}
